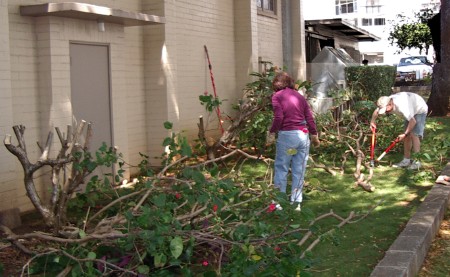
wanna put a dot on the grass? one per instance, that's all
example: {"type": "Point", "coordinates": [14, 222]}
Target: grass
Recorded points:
{"type": "Point", "coordinates": [356, 248]}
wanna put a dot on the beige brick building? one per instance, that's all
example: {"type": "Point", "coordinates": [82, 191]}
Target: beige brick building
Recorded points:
{"type": "Point", "coordinates": [147, 59]}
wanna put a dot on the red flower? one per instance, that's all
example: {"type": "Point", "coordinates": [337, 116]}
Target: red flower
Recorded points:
{"type": "Point", "coordinates": [178, 195]}
{"type": "Point", "coordinates": [271, 208]}
{"type": "Point", "coordinates": [205, 263]}
{"type": "Point", "coordinates": [215, 207]}
{"type": "Point", "coordinates": [277, 248]}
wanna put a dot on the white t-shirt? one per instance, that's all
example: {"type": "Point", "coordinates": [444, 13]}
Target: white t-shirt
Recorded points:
{"type": "Point", "coordinates": [408, 104]}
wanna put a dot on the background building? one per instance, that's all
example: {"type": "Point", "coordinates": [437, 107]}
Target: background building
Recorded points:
{"type": "Point", "coordinates": [374, 16]}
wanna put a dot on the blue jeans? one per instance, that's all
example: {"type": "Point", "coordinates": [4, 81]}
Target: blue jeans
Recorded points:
{"type": "Point", "coordinates": [292, 152]}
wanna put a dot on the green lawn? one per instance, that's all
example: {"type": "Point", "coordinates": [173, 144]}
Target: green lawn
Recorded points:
{"type": "Point", "coordinates": [356, 248]}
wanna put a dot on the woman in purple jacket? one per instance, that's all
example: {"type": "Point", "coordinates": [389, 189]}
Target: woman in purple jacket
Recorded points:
{"type": "Point", "coordinates": [294, 123]}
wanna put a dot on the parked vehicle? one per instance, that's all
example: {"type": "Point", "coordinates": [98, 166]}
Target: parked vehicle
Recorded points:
{"type": "Point", "coordinates": [414, 68]}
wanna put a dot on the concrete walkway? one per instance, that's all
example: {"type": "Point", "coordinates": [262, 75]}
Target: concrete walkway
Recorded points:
{"type": "Point", "coordinates": [405, 256]}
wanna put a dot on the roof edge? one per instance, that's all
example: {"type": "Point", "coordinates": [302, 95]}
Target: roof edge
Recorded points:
{"type": "Point", "coordinates": [91, 12]}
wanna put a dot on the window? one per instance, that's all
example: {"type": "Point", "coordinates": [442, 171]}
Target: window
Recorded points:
{"type": "Point", "coordinates": [267, 6]}
{"type": "Point", "coordinates": [373, 6]}
{"type": "Point", "coordinates": [366, 22]}
{"type": "Point", "coordinates": [379, 21]}
{"type": "Point", "coordinates": [373, 9]}
{"type": "Point", "coordinates": [345, 6]}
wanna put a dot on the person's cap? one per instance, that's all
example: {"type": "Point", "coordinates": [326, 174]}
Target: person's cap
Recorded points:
{"type": "Point", "coordinates": [382, 102]}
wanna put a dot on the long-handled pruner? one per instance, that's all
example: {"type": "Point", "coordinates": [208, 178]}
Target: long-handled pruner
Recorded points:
{"type": "Point", "coordinates": [372, 147]}
{"type": "Point", "coordinates": [388, 149]}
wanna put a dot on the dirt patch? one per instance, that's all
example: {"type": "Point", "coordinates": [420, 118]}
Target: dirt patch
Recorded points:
{"type": "Point", "coordinates": [437, 260]}
{"type": "Point", "coordinates": [13, 259]}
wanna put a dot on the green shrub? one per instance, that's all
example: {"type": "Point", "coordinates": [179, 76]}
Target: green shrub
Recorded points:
{"type": "Point", "coordinates": [370, 82]}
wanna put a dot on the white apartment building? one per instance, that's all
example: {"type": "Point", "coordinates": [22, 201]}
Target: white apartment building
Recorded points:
{"type": "Point", "coordinates": [375, 16]}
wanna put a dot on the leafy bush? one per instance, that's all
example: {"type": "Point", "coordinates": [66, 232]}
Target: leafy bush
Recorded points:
{"type": "Point", "coordinates": [258, 93]}
{"type": "Point", "coordinates": [370, 82]}
{"type": "Point", "coordinates": [351, 133]}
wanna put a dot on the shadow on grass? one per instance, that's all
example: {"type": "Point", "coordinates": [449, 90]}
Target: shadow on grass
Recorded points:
{"type": "Point", "coordinates": [355, 249]}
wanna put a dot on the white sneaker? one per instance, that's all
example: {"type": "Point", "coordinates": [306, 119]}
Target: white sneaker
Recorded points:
{"type": "Point", "coordinates": [297, 206]}
{"type": "Point", "coordinates": [403, 163]}
{"type": "Point", "coordinates": [415, 165]}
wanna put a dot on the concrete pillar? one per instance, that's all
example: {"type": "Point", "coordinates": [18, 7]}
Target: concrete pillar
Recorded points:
{"type": "Point", "coordinates": [246, 40]}
{"type": "Point", "coordinates": [294, 38]}
{"type": "Point", "coordinates": [160, 72]}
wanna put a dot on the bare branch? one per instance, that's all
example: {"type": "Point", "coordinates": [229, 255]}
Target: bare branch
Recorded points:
{"type": "Point", "coordinates": [46, 149]}
{"type": "Point", "coordinates": [112, 203]}
{"type": "Point", "coordinates": [19, 130]}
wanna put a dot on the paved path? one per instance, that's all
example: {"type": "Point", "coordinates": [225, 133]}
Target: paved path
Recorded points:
{"type": "Point", "coordinates": [405, 256]}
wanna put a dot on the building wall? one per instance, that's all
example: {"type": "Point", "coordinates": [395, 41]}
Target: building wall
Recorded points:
{"type": "Point", "coordinates": [177, 70]}
{"type": "Point", "coordinates": [40, 70]}
{"type": "Point", "coordinates": [270, 37]}
{"type": "Point", "coordinates": [157, 74]}
{"type": "Point", "coordinates": [8, 174]}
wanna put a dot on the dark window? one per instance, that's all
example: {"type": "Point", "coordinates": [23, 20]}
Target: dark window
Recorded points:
{"type": "Point", "coordinates": [345, 6]}
{"type": "Point", "coordinates": [366, 22]}
{"type": "Point", "coordinates": [267, 6]}
{"type": "Point", "coordinates": [379, 21]}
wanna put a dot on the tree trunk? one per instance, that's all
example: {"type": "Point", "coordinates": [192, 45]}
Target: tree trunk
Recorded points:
{"type": "Point", "coordinates": [438, 103]}
{"type": "Point", "coordinates": [54, 211]}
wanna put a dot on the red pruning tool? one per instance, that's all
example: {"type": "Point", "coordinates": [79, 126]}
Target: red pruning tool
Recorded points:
{"type": "Point", "coordinates": [214, 88]}
{"type": "Point", "coordinates": [388, 149]}
{"type": "Point", "coordinates": [372, 147]}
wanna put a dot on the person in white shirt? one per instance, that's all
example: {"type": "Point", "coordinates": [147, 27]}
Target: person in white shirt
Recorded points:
{"type": "Point", "coordinates": [413, 108]}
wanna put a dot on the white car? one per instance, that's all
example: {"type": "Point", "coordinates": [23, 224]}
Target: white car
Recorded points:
{"type": "Point", "coordinates": [414, 68]}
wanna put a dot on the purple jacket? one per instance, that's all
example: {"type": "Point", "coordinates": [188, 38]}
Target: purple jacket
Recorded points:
{"type": "Point", "coordinates": [291, 112]}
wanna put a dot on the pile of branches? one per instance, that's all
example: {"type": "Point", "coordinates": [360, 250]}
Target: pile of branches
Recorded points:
{"type": "Point", "coordinates": [187, 218]}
